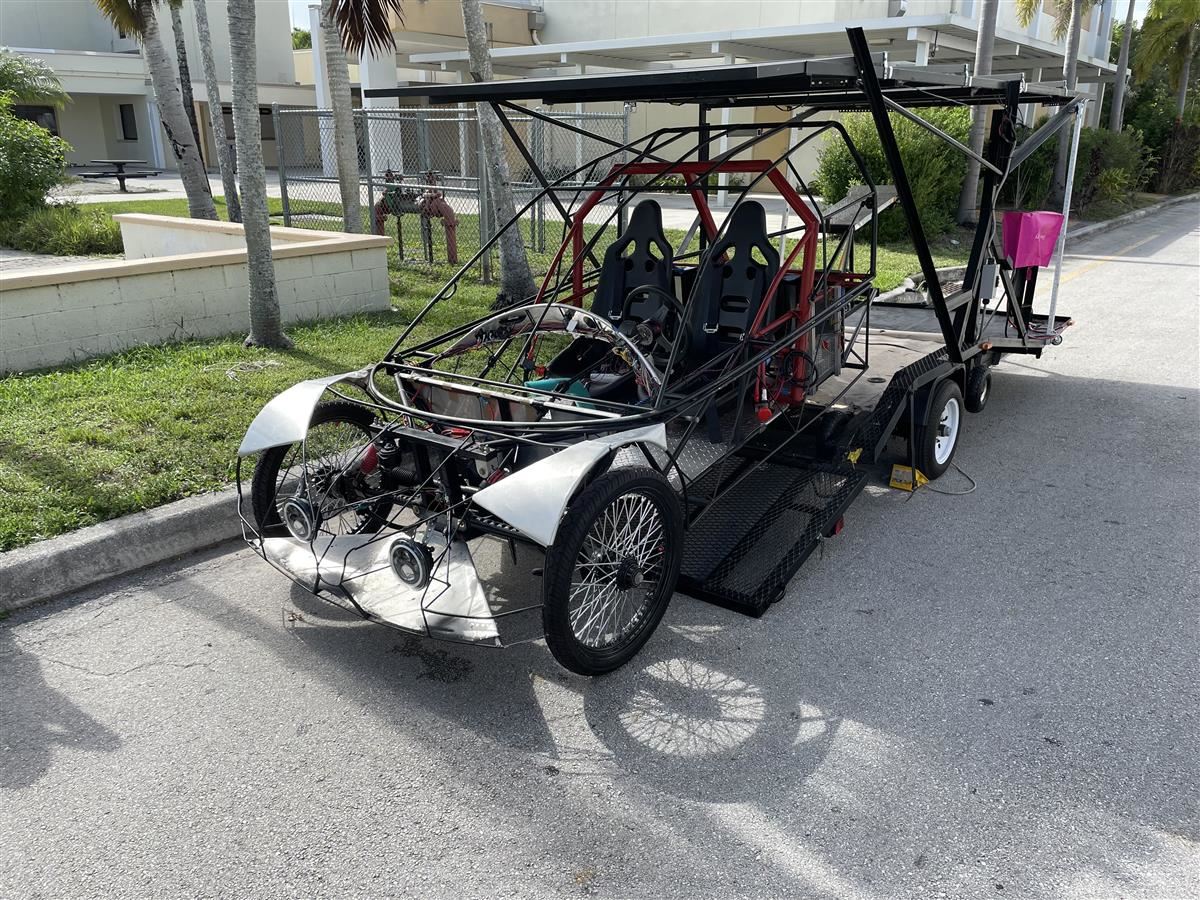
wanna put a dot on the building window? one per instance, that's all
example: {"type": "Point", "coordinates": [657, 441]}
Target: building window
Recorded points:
{"type": "Point", "coordinates": [128, 122]}
{"type": "Point", "coordinates": [39, 115]}
{"type": "Point", "coordinates": [121, 33]}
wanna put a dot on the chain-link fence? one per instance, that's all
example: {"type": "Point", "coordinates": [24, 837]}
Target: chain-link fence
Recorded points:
{"type": "Point", "coordinates": [423, 177]}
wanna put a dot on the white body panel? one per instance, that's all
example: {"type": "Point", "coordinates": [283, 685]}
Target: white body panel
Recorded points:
{"type": "Point", "coordinates": [533, 499]}
{"type": "Point", "coordinates": [284, 420]}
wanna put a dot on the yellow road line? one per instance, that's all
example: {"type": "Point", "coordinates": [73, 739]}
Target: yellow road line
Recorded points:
{"type": "Point", "coordinates": [1083, 270]}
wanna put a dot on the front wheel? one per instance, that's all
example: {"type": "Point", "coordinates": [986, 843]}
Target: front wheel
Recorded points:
{"type": "Point", "coordinates": [611, 570]}
{"type": "Point", "coordinates": [319, 486]}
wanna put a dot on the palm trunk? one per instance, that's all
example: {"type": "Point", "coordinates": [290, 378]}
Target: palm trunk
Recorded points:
{"type": "Point", "coordinates": [216, 116]}
{"type": "Point", "coordinates": [266, 329]}
{"type": "Point", "coordinates": [345, 143]}
{"type": "Point", "coordinates": [985, 42]}
{"type": "Point", "coordinates": [1184, 74]}
{"type": "Point", "coordinates": [185, 76]}
{"type": "Point", "coordinates": [174, 119]}
{"type": "Point", "coordinates": [1116, 115]}
{"type": "Point", "coordinates": [1070, 65]}
{"type": "Point", "coordinates": [516, 279]}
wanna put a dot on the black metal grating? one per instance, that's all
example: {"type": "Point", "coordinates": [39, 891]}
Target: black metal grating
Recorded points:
{"type": "Point", "coordinates": [743, 551]}
{"type": "Point", "coordinates": [878, 427]}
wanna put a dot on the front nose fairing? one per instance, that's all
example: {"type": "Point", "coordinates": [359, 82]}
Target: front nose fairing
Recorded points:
{"type": "Point", "coordinates": [484, 590]}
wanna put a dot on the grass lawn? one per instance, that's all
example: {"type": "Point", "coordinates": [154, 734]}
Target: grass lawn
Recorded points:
{"type": "Point", "coordinates": [131, 431]}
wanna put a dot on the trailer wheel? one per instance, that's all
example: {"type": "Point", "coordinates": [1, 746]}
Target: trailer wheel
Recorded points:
{"type": "Point", "coordinates": [979, 389]}
{"type": "Point", "coordinates": [938, 437]}
{"type": "Point", "coordinates": [611, 570]}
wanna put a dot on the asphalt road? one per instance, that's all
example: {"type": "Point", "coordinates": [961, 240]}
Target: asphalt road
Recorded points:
{"type": "Point", "coordinates": [991, 695]}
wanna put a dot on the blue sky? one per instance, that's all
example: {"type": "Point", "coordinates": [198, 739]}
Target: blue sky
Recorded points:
{"type": "Point", "coordinates": [299, 9]}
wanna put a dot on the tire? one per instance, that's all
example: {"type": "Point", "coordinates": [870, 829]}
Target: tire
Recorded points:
{"type": "Point", "coordinates": [265, 483]}
{"type": "Point", "coordinates": [979, 389]}
{"type": "Point", "coordinates": [582, 554]}
{"type": "Point", "coordinates": [944, 421]}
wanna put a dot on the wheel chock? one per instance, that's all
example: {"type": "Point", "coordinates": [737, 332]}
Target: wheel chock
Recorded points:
{"type": "Point", "coordinates": [903, 480]}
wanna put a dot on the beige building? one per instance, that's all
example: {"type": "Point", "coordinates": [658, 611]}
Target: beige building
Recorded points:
{"type": "Point", "coordinates": [113, 114]}
{"type": "Point", "coordinates": [580, 36]}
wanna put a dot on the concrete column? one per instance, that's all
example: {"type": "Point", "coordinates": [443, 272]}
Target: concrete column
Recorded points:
{"type": "Point", "coordinates": [723, 146]}
{"type": "Point", "coordinates": [384, 133]}
{"type": "Point", "coordinates": [578, 123]}
{"type": "Point", "coordinates": [321, 81]}
{"type": "Point", "coordinates": [464, 110]}
{"type": "Point", "coordinates": [922, 58]}
{"type": "Point", "coordinates": [1093, 115]}
{"type": "Point", "coordinates": [156, 135]}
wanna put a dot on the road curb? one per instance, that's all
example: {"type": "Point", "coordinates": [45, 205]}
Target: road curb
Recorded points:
{"type": "Point", "coordinates": [96, 553]}
{"type": "Point", "coordinates": [1108, 224]}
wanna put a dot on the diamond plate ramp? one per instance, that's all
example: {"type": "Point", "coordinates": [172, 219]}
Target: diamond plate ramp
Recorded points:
{"type": "Point", "coordinates": [742, 551]}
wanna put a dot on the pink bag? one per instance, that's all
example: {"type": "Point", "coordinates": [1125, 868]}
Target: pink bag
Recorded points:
{"type": "Point", "coordinates": [1029, 237]}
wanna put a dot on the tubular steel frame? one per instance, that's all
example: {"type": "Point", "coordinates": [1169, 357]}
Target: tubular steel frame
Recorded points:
{"type": "Point", "coordinates": [692, 397]}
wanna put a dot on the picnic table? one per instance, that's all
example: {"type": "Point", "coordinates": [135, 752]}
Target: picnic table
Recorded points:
{"type": "Point", "coordinates": [118, 170]}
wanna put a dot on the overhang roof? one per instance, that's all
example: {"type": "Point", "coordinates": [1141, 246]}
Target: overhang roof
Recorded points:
{"type": "Point", "coordinates": [829, 83]}
{"type": "Point", "coordinates": [950, 38]}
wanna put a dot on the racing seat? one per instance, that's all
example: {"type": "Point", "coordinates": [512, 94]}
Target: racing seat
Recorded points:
{"type": "Point", "coordinates": [640, 257]}
{"type": "Point", "coordinates": [732, 284]}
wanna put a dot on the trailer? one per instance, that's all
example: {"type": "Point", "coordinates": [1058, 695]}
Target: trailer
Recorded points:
{"type": "Point", "coordinates": [657, 415]}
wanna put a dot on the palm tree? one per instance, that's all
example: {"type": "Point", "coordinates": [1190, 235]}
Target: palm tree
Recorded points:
{"type": "Point", "coordinates": [1068, 21]}
{"type": "Point", "coordinates": [216, 115]}
{"type": "Point", "coordinates": [137, 17]}
{"type": "Point", "coordinates": [266, 327]}
{"type": "Point", "coordinates": [185, 76]}
{"type": "Point", "coordinates": [345, 142]}
{"type": "Point", "coordinates": [30, 81]}
{"type": "Point", "coordinates": [985, 42]}
{"type": "Point", "coordinates": [1169, 35]}
{"type": "Point", "coordinates": [361, 23]}
{"type": "Point", "coordinates": [516, 279]}
{"type": "Point", "coordinates": [1116, 115]}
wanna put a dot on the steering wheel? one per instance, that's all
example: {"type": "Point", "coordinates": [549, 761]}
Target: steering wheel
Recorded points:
{"type": "Point", "coordinates": [659, 332]}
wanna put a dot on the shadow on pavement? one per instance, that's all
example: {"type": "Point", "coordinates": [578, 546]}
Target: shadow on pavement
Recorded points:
{"type": "Point", "coordinates": [35, 719]}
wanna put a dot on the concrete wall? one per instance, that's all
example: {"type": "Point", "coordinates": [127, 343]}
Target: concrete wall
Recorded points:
{"type": "Point", "coordinates": [55, 316]}
{"type": "Point", "coordinates": [79, 25]}
{"type": "Point", "coordinates": [61, 25]}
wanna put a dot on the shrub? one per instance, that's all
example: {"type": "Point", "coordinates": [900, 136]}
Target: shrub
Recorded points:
{"type": "Point", "coordinates": [32, 161]}
{"type": "Point", "coordinates": [67, 230]}
{"type": "Point", "coordinates": [1108, 170]}
{"type": "Point", "coordinates": [1179, 167]}
{"type": "Point", "coordinates": [935, 170]}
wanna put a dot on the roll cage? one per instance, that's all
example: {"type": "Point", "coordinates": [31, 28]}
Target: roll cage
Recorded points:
{"type": "Point", "coordinates": [619, 177]}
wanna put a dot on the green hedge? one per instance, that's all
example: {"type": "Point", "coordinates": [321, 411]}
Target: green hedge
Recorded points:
{"type": "Point", "coordinates": [67, 230]}
{"type": "Point", "coordinates": [32, 161]}
{"type": "Point", "coordinates": [1110, 167]}
{"type": "Point", "coordinates": [935, 169]}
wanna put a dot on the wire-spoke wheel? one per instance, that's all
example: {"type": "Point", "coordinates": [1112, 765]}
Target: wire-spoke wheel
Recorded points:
{"type": "Point", "coordinates": [611, 570]}
{"type": "Point", "coordinates": [318, 486]}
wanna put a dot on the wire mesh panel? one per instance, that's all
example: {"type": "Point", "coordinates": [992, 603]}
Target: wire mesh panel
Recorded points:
{"type": "Point", "coordinates": [423, 178]}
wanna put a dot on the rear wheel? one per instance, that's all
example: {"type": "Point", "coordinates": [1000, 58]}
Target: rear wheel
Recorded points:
{"type": "Point", "coordinates": [979, 389]}
{"type": "Point", "coordinates": [318, 485]}
{"type": "Point", "coordinates": [937, 440]}
{"type": "Point", "coordinates": [611, 570]}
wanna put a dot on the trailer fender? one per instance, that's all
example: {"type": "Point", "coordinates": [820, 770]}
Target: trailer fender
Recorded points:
{"type": "Point", "coordinates": [534, 499]}
{"type": "Point", "coordinates": [285, 418]}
